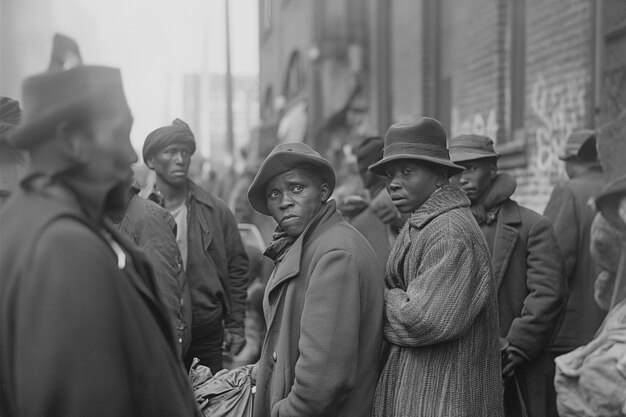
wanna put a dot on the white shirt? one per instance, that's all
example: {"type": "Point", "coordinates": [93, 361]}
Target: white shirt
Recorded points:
{"type": "Point", "coordinates": [180, 216]}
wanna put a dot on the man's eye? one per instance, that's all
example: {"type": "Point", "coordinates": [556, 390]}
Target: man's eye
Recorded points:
{"type": "Point", "coordinates": [297, 188]}
{"type": "Point", "coordinates": [407, 171]}
{"type": "Point", "coordinates": [273, 195]}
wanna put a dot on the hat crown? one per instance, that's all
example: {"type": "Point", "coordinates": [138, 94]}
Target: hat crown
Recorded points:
{"type": "Point", "coordinates": [426, 132]}
{"type": "Point", "coordinates": [298, 147]}
{"type": "Point", "coordinates": [575, 142]}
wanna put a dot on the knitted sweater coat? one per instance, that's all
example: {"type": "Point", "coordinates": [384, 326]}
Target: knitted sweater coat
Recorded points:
{"type": "Point", "coordinates": [441, 317]}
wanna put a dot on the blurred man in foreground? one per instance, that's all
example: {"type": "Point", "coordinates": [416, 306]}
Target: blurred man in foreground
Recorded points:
{"type": "Point", "coordinates": [83, 328]}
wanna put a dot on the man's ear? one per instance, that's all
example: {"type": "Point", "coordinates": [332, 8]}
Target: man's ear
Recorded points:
{"type": "Point", "coordinates": [442, 177]}
{"type": "Point", "coordinates": [325, 188]}
{"type": "Point", "coordinates": [76, 146]}
{"type": "Point", "coordinates": [150, 162]}
{"type": "Point", "coordinates": [493, 171]}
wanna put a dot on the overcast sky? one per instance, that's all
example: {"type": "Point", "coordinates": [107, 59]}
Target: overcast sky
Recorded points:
{"type": "Point", "coordinates": [153, 39]}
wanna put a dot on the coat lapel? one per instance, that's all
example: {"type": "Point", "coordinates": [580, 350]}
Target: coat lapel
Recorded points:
{"type": "Point", "coordinates": [505, 240]}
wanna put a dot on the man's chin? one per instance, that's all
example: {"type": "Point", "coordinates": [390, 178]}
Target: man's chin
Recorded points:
{"type": "Point", "coordinates": [117, 199]}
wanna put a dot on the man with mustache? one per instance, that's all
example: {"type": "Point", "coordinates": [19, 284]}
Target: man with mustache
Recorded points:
{"type": "Point", "coordinates": [83, 326]}
{"type": "Point", "coordinates": [528, 269]}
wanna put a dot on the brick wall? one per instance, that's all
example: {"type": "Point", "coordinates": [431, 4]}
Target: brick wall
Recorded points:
{"type": "Point", "coordinates": [406, 60]}
{"type": "Point", "coordinates": [559, 39]}
{"type": "Point", "coordinates": [473, 65]}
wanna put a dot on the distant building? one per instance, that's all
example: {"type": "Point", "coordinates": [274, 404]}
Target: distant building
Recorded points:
{"type": "Point", "coordinates": [525, 72]}
{"type": "Point", "coordinates": [203, 106]}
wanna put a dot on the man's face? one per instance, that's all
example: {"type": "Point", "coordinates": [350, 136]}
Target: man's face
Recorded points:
{"type": "Point", "coordinates": [477, 177]}
{"type": "Point", "coordinates": [110, 153]}
{"type": "Point", "coordinates": [368, 177]}
{"type": "Point", "coordinates": [410, 183]}
{"type": "Point", "coordinates": [294, 198]}
{"type": "Point", "coordinates": [171, 164]}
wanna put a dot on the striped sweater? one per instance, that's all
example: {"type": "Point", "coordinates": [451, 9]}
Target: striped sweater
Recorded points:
{"type": "Point", "coordinates": [441, 317]}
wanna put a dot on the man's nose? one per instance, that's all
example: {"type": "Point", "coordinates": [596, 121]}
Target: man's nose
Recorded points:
{"type": "Point", "coordinates": [394, 185]}
{"type": "Point", "coordinates": [178, 157]}
{"type": "Point", "coordinates": [286, 201]}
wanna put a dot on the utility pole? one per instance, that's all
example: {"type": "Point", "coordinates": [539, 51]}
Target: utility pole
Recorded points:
{"type": "Point", "coordinates": [230, 138]}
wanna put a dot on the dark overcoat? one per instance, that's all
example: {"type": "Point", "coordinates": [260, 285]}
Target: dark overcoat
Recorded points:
{"type": "Point", "coordinates": [571, 215]}
{"type": "Point", "coordinates": [83, 328]}
{"type": "Point", "coordinates": [528, 269]}
{"type": "Point", "coordinates": [323, 307]}
{"type": "Point", "coordinates": [153, 229]}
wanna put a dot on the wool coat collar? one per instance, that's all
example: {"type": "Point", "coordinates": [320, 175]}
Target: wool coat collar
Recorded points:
{"type": "Point", "coordinates": [290, 263]}
{"type": "Point", "coordinates": [442, 200]}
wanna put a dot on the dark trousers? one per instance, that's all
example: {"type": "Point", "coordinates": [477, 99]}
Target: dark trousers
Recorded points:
{"type": "Point", "coordinates": [206, 345]}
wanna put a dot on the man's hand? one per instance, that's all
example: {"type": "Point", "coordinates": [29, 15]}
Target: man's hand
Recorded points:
{"type": "Point", "coordinates": [511, 359]}
{"type": "Point", "coordinates": [234, 341]}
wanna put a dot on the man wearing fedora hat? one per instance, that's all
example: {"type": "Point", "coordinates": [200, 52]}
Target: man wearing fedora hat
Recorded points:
{"type": "Point", "coordinates": [83, 327]}
{"type": "Point", "coordinates": [323, 303]}
{"type": "Point", "coordinates": [441, 316]}
{"type": "Point", "coordinates": [527, 268]}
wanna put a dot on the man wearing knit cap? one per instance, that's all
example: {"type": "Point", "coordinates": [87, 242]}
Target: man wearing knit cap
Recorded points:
{"type": "Point", "coordinates": [323, 303]}
{"type": "Point", "coordinates": [12, 161]}
{"type": "Point", "coordinates": [213, 254]}
{"type": "Point", "coordinates": [83, 326]}
{"type": "Point", "coordinates": [528, 270]}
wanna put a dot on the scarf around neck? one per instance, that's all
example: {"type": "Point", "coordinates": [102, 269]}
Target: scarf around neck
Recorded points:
{"type": "Point", "coordinates": [502, 187]}
{"type": "Point", "coordinates": [281, 241]}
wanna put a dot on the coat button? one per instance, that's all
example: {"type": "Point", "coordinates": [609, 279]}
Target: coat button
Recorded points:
{"type": "Point", "coordinates": [274, 356]}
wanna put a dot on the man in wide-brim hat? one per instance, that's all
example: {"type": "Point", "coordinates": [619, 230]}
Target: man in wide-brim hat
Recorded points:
{"type": "Point", "coordinates": [82, 324]}
{"type": "Point", "coordinates": [324, 299]}
{"type": "Point", "coordinates": [441, 316]}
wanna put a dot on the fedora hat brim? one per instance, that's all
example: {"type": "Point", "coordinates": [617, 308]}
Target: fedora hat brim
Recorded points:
{"type": "Point", "coordinates": [379, 167]}
{"type": "Point", "coordinates": [282, 161]}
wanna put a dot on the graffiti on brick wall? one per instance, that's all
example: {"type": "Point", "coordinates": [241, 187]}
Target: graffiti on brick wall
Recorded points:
{"type": "Point", "coordinates": [560, 108]}
{"type": "Point", "coordinates": [477, 124]}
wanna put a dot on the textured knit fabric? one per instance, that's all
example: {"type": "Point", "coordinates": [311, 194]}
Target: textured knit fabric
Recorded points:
{"type": "Point", "coordinates": [441, 317]}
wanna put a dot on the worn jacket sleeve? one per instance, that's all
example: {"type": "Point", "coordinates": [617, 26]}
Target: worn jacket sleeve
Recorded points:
{"type": "Point", "coordinates": [561, 210]}
{"type": "Point", "coordinates": [71, 360]}
{"type": "Point", "coordinates": [533, 330]}
{"type": "Point", "coordinates": [443, 301]}
{"type": "Point", "coordinates": [237, 272]}
{"type": "Point", "coordinates": [326, 369]}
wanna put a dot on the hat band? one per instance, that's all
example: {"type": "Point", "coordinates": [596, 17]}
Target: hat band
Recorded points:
{"type": "Point", "coordinates": [422, 149]}
{"type": "Point", "coordinates": [471, 149]}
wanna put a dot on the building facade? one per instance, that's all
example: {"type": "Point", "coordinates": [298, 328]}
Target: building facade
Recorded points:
{"type": "Point", "coordinates": [524, 72]}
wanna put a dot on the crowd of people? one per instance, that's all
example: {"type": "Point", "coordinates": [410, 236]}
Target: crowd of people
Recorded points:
{"type": "Point", "coordinates": [433, 293]}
